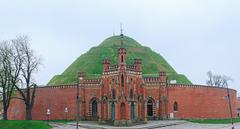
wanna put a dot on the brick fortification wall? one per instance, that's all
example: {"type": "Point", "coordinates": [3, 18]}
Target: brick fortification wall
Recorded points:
{"type": "Point", "coordinates": [54, 98]}
{"type": "Point", "coordinates": [193, 102]}
{"type": "Point", "coordinates": [238, 106]}
{"type": "Point", "coordinates": [201, 101]}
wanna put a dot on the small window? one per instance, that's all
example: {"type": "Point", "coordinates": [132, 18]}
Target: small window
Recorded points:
{"type": "Point", "coordinates": [122, 80]}
{"type": "Point", "coordinates": [122, 59]}
{"type": "Point", "coordinates": [175, 107]}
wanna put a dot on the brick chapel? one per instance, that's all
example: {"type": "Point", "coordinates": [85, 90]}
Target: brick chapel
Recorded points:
{"type": "Point", "coordinates": [123, 95]}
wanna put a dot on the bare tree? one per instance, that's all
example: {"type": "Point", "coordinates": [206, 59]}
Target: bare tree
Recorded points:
{"type": "Point", "coordinates": [217, 80]}
{"type": "Point", "coordinates": [210, 77]}
{"type": "Point", "coordinates": [30, 64]}
{"type": "Point", "coordinates": [10, 66]}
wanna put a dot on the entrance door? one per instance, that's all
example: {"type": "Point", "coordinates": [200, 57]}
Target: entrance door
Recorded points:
{"type": "Point", "coordinates": [132, 110]}
{"type": "Point", "coordinates": [113, 111]}
{"type": "Point", "coordinates": [94, 108]}
{"type": "Point", "coordinates": [150, 108]}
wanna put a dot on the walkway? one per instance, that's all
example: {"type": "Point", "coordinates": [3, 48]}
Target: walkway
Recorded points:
{"type": "Point", "coordinates": [176, 124]}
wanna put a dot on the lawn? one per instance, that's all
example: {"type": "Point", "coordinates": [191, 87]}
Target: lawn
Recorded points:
{"type": "Point", "coordinates": [15, 124]}
{"type": "Point", "coordinates": [214, 121]}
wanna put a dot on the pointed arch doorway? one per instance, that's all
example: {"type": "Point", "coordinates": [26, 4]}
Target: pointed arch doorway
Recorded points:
{"type": "Point", "coordinates": [94, 108]}
{"type": "Point", "coordinates": [150, 108]}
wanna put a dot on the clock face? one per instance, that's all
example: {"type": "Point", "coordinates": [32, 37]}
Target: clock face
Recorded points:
{"type": "Point", "coordinates": [81, 78]}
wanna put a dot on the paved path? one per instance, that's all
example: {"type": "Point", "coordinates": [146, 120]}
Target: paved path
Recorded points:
{"type": "Point", "coordinates": [176, 124]}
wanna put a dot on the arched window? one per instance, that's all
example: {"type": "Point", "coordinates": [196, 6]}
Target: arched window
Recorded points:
{"type": "Point", "coordinates": [122, 59]}
{"type": "Point", "coordinates": [175, 107]}
{"type": "Point", "coordinates": [122, 79]}
{"type": "Point", "coordinates": [131, 94]}
{"type": "Point", "coordinates": [113, 94]}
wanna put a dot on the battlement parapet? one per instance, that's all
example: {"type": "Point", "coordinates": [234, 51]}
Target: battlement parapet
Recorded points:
{"type": "Point", "coordinates": [151, 79]}
{"type": "Point", "coordinates": [60, 86]}
{"type": "Point", "coordinates": [197, 86]}
{"type": "Point", "coordinates": [113, 67]}
{"type": "Point", "coordinates": [93, 81]}
{"type": "Point", "coordinates": [154, 84]}
{"type": "Point", "coordinates": [131, 67]}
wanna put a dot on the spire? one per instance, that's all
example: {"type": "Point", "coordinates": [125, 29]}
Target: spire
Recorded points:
{"type": "Point", "coordinates": [121, 30]}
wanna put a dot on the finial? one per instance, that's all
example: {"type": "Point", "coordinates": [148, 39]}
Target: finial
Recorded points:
{"type": "Point", "coordinates": [121, 35]}
{"type": "Point", "coordinates": [121, 30]}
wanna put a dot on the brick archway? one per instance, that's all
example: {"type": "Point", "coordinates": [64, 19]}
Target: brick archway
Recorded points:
{"type": "Point", "coordinates": [93, 108]}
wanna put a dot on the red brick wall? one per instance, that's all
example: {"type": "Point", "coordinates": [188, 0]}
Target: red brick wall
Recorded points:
{"type": "Point", "coordinates": [238, 105]}
{"type": "Point", "coordinates": [193, 102]}
{"type": "Point", "coordinates": [55, 99]}
{"type": "Point", "coordinates": [201, 102]}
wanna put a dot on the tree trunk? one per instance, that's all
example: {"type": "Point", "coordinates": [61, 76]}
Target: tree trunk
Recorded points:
{"type": "Point", "coordinates": [28, 112]}
{"type": "Point", "coordinates": [5, 116]}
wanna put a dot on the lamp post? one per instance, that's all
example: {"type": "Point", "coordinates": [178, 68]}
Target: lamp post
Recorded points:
{"type": "Point", "coordinates": [48, 114]}
{"type": "Point", "coordinates": [66, 112]}
{"type": "Point", "coordinates": [0, 115]}
{"type": "Point", "coordinates": [230, 107]}
{"type": "Point", "coordinates": [77, 99]}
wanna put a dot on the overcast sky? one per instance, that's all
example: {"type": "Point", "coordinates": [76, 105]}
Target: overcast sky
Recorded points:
{"type": "Point", "coordinates": [194, 36]}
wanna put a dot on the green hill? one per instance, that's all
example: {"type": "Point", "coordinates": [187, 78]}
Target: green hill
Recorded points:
{"type": "Point", "coordinates": [91, 61]}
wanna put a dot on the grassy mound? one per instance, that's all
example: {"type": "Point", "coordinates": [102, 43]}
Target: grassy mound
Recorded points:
{"type": "Point", "coordinates": [91, 61]}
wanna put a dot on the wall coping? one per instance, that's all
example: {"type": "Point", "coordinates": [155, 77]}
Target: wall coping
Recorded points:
{"type": "Point", "coordinates": [198, 86]}
{"type": "Point", "coordinates": [169, 85]}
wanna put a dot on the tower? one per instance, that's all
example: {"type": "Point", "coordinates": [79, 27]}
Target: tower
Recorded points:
{"type": "Point", "coordinates": [122, 62]}
{"type": "Point", "coordinates": [122, 53]}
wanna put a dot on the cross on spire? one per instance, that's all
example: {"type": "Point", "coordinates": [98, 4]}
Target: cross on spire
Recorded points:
{"type": "Point", "coordinates": [121, 30]}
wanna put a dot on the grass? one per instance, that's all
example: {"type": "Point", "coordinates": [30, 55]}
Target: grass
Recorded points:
{"type": "Point", "coordinates": [214, 121]}
{"type": "Point", "coordinates": [16, 124]}
{"type": "Point", "coordinates": [91, 61]}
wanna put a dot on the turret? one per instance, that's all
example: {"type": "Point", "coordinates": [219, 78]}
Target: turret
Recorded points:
{"type": "Point", "coordinates": [122, 56]}
{"type": "Point", "coordinates": [138, 64]}
{"type": "Point", "coordinates": [81, 76]}
{"type": "Point", "coordinates": [163, 76]}
{"type": "Point", "coordinates": [122, 53]}
{"type": "Point", "coordinates": [106, 64]}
